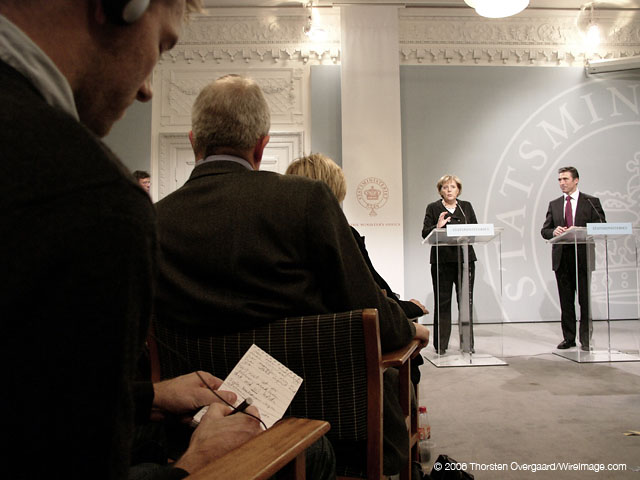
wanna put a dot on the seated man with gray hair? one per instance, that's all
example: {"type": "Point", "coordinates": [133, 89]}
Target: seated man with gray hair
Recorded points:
{"type": "Point", "coordinates": [242, 247]}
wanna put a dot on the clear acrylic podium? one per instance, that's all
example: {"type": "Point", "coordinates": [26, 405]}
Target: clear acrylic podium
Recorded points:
{"type": "Point", "coordinates": [484, 322]}
{"type": "Point", "coordinates": [613, 279]}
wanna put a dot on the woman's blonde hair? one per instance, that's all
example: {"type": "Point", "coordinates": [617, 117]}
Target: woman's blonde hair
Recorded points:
{"type": "Point", "coordinates": [320, 167]}
{"type": "Point", "coordinates": [446, 179]}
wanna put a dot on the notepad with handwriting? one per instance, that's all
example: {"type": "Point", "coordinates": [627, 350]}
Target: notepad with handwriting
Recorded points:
{"type": "Point", "coordinates": [268, 382]}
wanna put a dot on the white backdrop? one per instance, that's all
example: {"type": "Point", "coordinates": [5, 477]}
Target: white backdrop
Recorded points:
{"type": "Point", "coordinates": [505, 131]}
{"type": "Point", "coordinates": [371, 134]}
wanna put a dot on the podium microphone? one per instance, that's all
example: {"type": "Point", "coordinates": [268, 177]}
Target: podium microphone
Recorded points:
{"type": "Point", "coordinates": [595, 209]}
{"type": "Point", "coordinates": [465, 217]}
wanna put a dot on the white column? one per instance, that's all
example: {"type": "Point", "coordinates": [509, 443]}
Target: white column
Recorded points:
{"type": "Point", "coordinates": [371, 134]}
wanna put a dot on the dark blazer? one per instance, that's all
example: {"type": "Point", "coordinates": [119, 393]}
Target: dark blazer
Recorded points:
{"type": "Point", "coordinates": [588, 210]}
{"type": "Point", "coordinates": [463, 214]}
{"type": "Point", "coordinates": [410, 309]}
{"type": "Point", "coordinates": [241, 248]}
{"type": "Point", "coordinates": [78, 260]}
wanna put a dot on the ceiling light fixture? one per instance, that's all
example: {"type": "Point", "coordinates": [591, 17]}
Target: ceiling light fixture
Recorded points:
{"type": "Point", "coordinates": [588, 27]}
{"type": "Point", "coordinates": [497, 8]}
{"type": "Point", "coordinates": [312, 29]}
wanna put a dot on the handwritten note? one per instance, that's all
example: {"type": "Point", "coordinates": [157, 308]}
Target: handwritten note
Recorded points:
{"type": "Point", "coordinates": [268, 382]}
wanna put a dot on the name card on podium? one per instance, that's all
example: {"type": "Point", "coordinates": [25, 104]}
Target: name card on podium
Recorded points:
{"type": "Point", "coordinates": [609, 228]}
{"type": "Point", "coordinates": [470, 230]}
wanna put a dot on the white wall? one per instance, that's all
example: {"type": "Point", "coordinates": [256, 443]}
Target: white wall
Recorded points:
{"type": "Point", "coordinates": [268, 45]}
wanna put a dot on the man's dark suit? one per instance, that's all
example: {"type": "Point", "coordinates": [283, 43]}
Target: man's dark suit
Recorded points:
{"type": "Point", "coordinates": [588, 210]}
{"type": "Point", "coordinates": [241, 248]}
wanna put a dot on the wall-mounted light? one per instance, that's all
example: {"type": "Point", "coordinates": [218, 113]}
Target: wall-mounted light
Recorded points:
{"type": "Point", "coordinates": [312, 27]}
{"type": "Point", "coordinates": [588, 27]}
{"type": "Point", "coordinates": [497, 8]}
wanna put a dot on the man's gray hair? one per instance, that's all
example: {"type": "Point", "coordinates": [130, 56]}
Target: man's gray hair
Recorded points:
{"type": "Point", "coordinates": [229, 113]}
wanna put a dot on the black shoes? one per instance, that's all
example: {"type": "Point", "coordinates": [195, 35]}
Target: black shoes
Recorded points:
{"type": "Point", "coordinates": [585, 348]}
{"type": "Point", "coordinates": [565, 344]}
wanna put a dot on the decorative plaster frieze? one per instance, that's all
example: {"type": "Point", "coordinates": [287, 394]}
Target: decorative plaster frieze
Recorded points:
{"type": "Point", "coordinates": [180, 87]}
{"type": "Point", "coordinates": [434, 36]}
{"type": "Point", "coordinates": [255, 37]}
{"type": "Point", "coordinates": [540, 39]}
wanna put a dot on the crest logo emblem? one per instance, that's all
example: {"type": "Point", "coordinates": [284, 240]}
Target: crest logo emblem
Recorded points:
{"type": "Point", "coordinates": [575, 127]}
{"type": "Point", "coordinates": [372, 193]}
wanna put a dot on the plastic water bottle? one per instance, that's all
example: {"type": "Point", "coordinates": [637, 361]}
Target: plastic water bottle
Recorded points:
{"type": "Point", "coordinates": [424, 438]}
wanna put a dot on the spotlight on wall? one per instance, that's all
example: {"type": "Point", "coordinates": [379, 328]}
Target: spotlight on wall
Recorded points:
{"type": "Point", "coordinates": [312, 27]}
{"type": "Point", "coordinates": [497, 8]}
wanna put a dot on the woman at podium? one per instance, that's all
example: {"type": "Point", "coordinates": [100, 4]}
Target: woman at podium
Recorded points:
{"type": "Point", "coordinates": [446, 261]}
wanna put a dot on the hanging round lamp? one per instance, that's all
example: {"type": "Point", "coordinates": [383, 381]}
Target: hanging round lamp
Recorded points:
{"type": "Point", "coordinates": [497, 8]}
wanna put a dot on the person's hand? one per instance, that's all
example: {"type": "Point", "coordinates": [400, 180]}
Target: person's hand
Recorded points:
{"type": "Point", "coordinates": [443, 221]}
{"type": "Point", "coordinates": [422, 307]}
{"type": "Point", "coordinates": [559, 230]}
{"type": "Point", "coordinates": [218, 434]}
{"type": "Point", "coordinates": [422, 334]}
{"type": "Point", "coordinates": [186, 394]}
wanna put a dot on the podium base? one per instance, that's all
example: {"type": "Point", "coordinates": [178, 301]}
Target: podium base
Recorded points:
{"type": "Point", "coordinates": [596, 356]}
{"type": "Point", "coordinates": [459, 359]}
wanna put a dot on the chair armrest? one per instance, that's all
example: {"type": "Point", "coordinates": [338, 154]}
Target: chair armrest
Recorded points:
{"type": "Point", "coordinates": [398, 357]}
{"type": "Point", "coordinates": [267, 453]}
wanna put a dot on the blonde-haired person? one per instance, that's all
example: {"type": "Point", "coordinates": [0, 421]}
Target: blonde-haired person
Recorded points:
{"type": "Point", "coordinates": [444, 261]}
{"type": "Point", "coordinates": [320, 167]}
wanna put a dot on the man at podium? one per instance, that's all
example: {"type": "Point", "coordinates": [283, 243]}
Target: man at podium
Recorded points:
{"type": "Point", "coordinates": [573, 208]}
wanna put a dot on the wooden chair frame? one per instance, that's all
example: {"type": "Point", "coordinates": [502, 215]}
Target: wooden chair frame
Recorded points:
{"type": "Point", "coordinates": [375, 365]}
{"type": "Point", "coordinates": [279, 449]}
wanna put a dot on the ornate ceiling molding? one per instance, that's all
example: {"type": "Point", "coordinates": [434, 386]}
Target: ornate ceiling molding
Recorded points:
{"type": "Point", "coordinates": [261, 37]}
{"type": "Point", "coordinates": [441, 36]}
{"type": "Point", "coordinates": [541, 38]}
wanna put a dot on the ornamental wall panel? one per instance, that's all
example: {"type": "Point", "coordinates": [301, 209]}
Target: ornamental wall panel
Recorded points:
{"type": "Point", "coordinates": [175, 162]}
{"type": "Point", "coordinates": [282, 149]}
{"type": "Point", "coordinates": [176, 159]}
{"type": "Point", "coordinates": [283, 89]}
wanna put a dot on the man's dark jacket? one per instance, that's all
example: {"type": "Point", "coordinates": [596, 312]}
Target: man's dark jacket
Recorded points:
{"type": "Point", "coordinates": [240, 248]}
{"type": "Point", "coordinates": [78, 256]}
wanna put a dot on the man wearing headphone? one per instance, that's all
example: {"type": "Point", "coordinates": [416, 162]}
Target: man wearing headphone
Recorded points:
{"type": "Point", "coordinates": [79, 243]}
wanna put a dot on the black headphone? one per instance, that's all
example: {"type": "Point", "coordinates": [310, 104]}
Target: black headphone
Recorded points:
{"type": "Point", "coordinates": [123, 12]}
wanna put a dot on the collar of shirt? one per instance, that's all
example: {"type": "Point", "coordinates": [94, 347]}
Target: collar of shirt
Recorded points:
{"type": "Point", "coordinates": [225, 158]}
{"type": "Point", "coordinates": [19, 51]}
{"type": "Point", "coordinates": [574, 196]}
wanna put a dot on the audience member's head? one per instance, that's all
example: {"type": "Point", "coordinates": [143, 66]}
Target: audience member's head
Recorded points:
{"type": "Point", "coordinates": [320, 167]}
{"type": "Point", "coordinates": [144, 179]}
{"type": "Point", "coordinates": [105, 49]}
{"type": "Point", "coordinates": [230, 116]}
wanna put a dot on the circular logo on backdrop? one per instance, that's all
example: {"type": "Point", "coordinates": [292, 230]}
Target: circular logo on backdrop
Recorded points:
{"type": "Point", "coordinates": [372, 194]}
{"type": "Point", "coordinates": [594, 127]}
